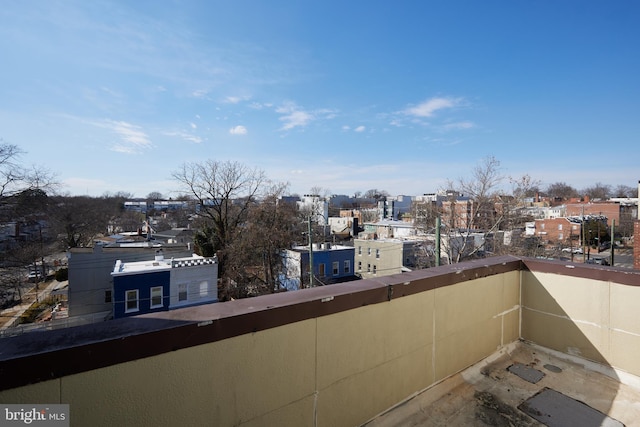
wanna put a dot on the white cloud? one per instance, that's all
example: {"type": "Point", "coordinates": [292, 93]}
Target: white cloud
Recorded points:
{"type": "Point", "coordinates": [326, 112]}
{"type": "Point", "coordinates": [360, 129]}
{"type": "Point", "coordinates": [123, 149]}
{"type": "Point", "coordinates": [458, 126]}
{"type": "Point", "coordinates": [293, 116]}
{"type": "Point", "coordinates": [133, 139]}
{"type": "Point", "coordinates": [185, 135]}
{"type": "Point", "coordinates": [236, 99]}
{"type": "Point", "coordinates": [199, 93]}
{"type": "Point", "coordinates": [346, 128]}
{"type": "Point", "coordinates": [193, 125]}
{"type": "Point", "coordinates": [430, 106]}
{"type": "Point", "coordinates": [192, 138]}
{"type": "Point", "coordinates": [238, 130]}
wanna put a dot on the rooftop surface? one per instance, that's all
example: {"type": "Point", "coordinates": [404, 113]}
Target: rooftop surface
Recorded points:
{"type": "Point", "coordinates": [518, 384]}
{"type": "Point", "coordinates": [160, 263]}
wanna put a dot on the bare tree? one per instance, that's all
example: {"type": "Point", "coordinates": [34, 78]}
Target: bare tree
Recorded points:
{"type": "Point", "coordinates": [225, 192]}
{"type": "Point", "coordinates": [256, 264]}
{"type": "Point", "coordinates": [374, 193]}
{"type": "Point", "coordinates": [625, 191]}
{"type": "Point", "coordinates": [479, 209]}
{"type": "Point", "coordinates": [561, 190]}
{"type": "Point", "coordinates": [155, 195]}
{"type": "Point", "coordinates": [16, 179]}
{"type": "Point", "coordinates": [481, 187]}
{"type": "Point", "coordinates": [598, 191]}
{"type": "Point", "coordinates": [78, 220]}
{"type": "Point", "coordinates": [11, 283]}
{"type": "Point", "coordinates": [320, 191]}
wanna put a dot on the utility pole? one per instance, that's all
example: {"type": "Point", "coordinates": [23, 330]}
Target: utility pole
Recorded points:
{"type": "Point", "coordinates": [438, 220]}
{"type": "Point", "coordinates": [310, 255]}
{"type": "Point", "coordinates": [613, 233]}
{"type": "Point", "coordinates": [584, 252]}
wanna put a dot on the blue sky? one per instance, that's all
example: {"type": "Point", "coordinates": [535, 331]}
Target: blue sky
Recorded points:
{"type": "Point", "coordinates": [347, 96]}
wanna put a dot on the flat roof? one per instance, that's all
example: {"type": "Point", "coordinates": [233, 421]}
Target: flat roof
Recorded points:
{"type": "Point", "coordinates": [158, 264]}
{"type": "Point", "coordinates": [323, 247]}
{"type": "Point", "coordinates": [524, 385]}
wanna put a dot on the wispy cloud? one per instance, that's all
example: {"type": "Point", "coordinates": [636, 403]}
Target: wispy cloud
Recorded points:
{"type": "Point", "coordinates": [293, 116]}
{"type": "Point", "coordinates": [430, 106]}
{"type": "Point", "coordinates": [458, 126]}
{"type": "Point", "coordinates": [259, 106]}
{"type": "Point", "coordinates": [236, 99]}
{"type": "Point", "coordinates": [200, 93]}
{"type": "Point", "coordinates": [185, 136]}
{"type": "Point", "coordinates": [238, 130]}
{"type": "Point", "coordinates": [132, 140]}
{"type": "Point", "coordinates": [359, 129]}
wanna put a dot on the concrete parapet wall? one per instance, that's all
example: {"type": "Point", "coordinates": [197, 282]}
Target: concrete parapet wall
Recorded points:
{"type": "Point", "coordinates": [340, 367]}
{"type": "Point", "coordinates": [591, 318]}
{"type": "Point", "coordinates": [332, 356]}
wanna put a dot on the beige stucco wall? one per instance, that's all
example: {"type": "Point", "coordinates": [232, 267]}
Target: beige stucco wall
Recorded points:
{"type": "Point", "coordinates": [593, 319]}
{"type": "Point", "coordinates": [337, 370]}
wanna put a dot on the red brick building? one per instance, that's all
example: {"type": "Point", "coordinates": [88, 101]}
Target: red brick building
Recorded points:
{"type": "Point", "coordinates": [458, 213]}
{"type": "Point", "coordinates": [559, 230]}
{"type": "Point", "coordinates": [609, 209]}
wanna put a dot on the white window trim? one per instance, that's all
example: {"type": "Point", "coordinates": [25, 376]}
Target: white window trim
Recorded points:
{"type": "Point", "coordinates": [347, 266]}
{"type": "Point", "coordinates": [151, 297]}
{"type": "Point", "coordinates": [335, 268]}
{"type": "Point", "coordinates": [126, 301]}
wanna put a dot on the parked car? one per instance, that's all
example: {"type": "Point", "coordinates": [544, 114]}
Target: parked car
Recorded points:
{"type": "Point", "coordinates": [599, 261]}
{"type": "Point", "coordinates": [574, 250]}
{"type": "Point", "coordinates": [604, 246]}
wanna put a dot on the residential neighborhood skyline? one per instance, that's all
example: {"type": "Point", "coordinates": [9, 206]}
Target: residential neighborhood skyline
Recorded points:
{"type": "Point", "coordinates": [114, 95]}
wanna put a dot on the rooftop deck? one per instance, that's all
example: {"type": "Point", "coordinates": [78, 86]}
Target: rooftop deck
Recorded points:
{"type": "Point", "coordinates": [341, 355]}
{"type": "Point", "coordinates": [497, 391]}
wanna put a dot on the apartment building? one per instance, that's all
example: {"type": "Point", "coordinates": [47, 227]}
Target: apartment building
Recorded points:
{"type": "Point", "coordinates": [384, 257]}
